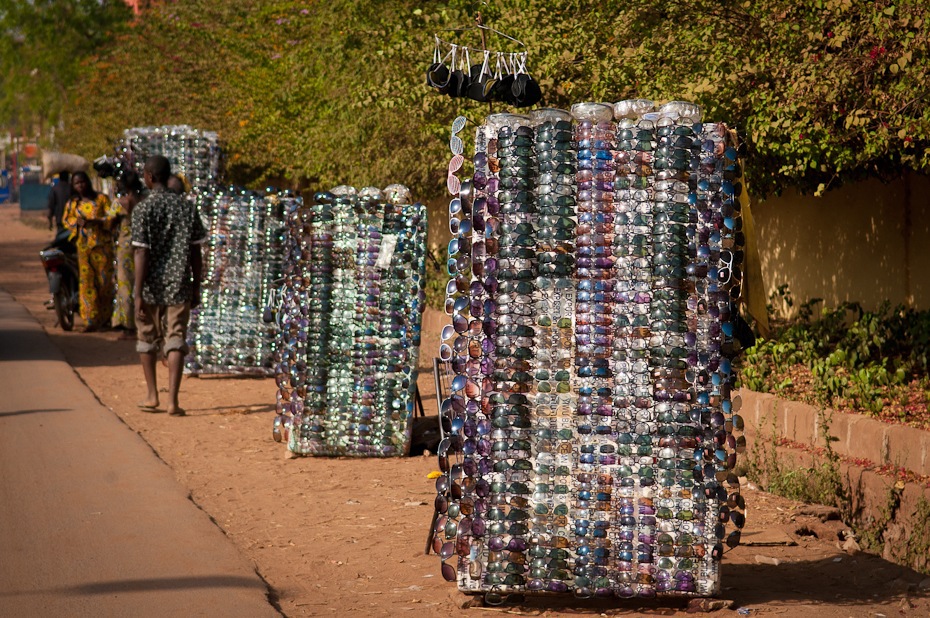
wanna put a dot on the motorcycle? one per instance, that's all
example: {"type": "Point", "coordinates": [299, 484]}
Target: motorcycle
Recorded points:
{"type": "Point", "coordinates": [61, 268]}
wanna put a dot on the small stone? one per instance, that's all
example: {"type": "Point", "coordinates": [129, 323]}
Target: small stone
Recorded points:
{"type": "Point", "coordinates": [702, 606]}
{"type": "Point", "coordinates": [898, 586]}
{"type": "Point", "coordinates": [472, 601]}
{"type": "Point", "coordinates": [850, 546]}
{"type": "Point", "coordinates": [767, 560]}
{"type": "Point", "coordinates": [824, 513]}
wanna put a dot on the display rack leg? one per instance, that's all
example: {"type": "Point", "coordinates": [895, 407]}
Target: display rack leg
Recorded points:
{"type": "Point", "coordinates": [419, 401]}
{"type": "Point", "coordinates": [432, 532]}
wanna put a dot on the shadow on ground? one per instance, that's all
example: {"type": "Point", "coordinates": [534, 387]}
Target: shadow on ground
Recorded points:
{"type": "Point", "coordinates": [148, 585]}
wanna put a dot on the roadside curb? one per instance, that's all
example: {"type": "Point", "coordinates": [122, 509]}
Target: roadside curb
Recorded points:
{"type": "Point", "coordinates": [856, 436]}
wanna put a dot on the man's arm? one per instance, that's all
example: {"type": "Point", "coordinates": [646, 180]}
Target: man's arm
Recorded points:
{"type": "Point", "coordinates": [141, 258]}
{"type": "Point", "coordinates": [198, 237]}
{"type": "Point", "coordinates": [197, 271]}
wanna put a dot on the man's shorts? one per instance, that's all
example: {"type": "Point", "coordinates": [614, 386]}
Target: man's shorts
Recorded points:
{"type": "Point", "coordinates": [163, 327]}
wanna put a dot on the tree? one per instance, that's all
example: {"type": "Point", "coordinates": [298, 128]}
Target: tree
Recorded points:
{"type": "Point", "coordinates": [42, 43]}
{"type": "Point", "coordinates": [822, 91]}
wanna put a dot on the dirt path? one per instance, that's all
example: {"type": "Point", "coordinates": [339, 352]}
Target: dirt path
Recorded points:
{"type": "Point", "coordinates": [346, 537]}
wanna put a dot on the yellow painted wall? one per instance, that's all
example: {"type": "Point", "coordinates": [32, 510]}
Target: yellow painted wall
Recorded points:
{"type": "Point", "coordinates": [851, 244]}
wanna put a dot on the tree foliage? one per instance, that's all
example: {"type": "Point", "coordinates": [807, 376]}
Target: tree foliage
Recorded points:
{"type": "Point", "coordinates": [42, 43]}
{"type": "Point", "coordinates": [318, 93]}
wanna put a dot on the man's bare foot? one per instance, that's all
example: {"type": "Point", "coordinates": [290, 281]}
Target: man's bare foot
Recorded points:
{"type": "Point", "coordinates": [148, 405]}
{"type": "Point", "coordinates": [176, 411]}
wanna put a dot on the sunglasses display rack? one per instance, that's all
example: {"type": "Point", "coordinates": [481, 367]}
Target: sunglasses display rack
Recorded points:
{"type": "Point", "coordinates": [349, 317]}
{"type": "Point", "coordinates": [242, 262]}
{"type": "Point", "coordinates": [590, 434]}
{"type": "Point", "coordinates": [195, 154]}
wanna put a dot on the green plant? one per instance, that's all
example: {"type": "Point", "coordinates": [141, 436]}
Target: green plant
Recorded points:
{"type": "Point", "coordinates": [872, 533]}
{"type": "Point", "coordinates": [819, 483]}
{"type": "Point", "coordinates": [918, 542]}
{"type": "Point", "coordinates": [914, 549]}
{"type": "Point", "coordinates": [823, 482]}
{"type": "Point", "coordinates": [849, 357]}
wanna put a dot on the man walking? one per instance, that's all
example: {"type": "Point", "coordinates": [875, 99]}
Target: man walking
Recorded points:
{"type": "Point", "coordinates": [166, 233]}
{"type": "Point", "coordinates": [58, 196]}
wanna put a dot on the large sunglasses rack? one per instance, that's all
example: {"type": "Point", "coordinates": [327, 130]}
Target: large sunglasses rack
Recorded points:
{"type": "Point", "coordinates": [349, 315]}
{"type": "Point", "coordinates": [194, 153]}
{"type": "Point", "coordinates": [242, 266]}
{"type": "Point", "coordinates": [590, 436]}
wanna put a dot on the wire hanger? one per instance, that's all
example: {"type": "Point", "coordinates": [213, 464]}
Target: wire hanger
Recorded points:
{"type": "Point", "coordinates": [481, 27]}
{"type": "Point", "coordinates": [489, 29]}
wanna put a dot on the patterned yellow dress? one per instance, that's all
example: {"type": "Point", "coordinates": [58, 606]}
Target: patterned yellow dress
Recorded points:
{"type": "Point", "coordinates": [123, 308]}
{"type": "Point", "coordinates": [95, 257]}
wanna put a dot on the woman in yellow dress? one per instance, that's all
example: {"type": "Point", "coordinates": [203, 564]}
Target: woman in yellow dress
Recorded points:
{"type": "Point", "coordinates": [129, 189]}
{"type": "Point", "coordinates": [90, 219]}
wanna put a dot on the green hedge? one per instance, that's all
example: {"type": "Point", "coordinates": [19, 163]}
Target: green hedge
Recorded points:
{"type": "Point", "coordinates": [321, 93]}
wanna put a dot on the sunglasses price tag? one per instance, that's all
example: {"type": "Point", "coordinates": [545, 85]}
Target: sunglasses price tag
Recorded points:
{"type": "Point", "coordinates": [386, 253]}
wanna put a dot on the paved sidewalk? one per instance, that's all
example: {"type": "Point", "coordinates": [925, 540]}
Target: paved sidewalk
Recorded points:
{"type": "Point", "coordinates": [92, 522]}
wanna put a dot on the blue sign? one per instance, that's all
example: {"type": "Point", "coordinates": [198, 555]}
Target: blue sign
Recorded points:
{"type": "Point", "coordinates": [4, 186]}
{"type": "Point", "coordinates": [33, 196]}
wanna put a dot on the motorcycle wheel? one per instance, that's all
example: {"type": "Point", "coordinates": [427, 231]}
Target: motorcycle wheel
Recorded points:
{"type": "Point", "coordinates": [63, 308]}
